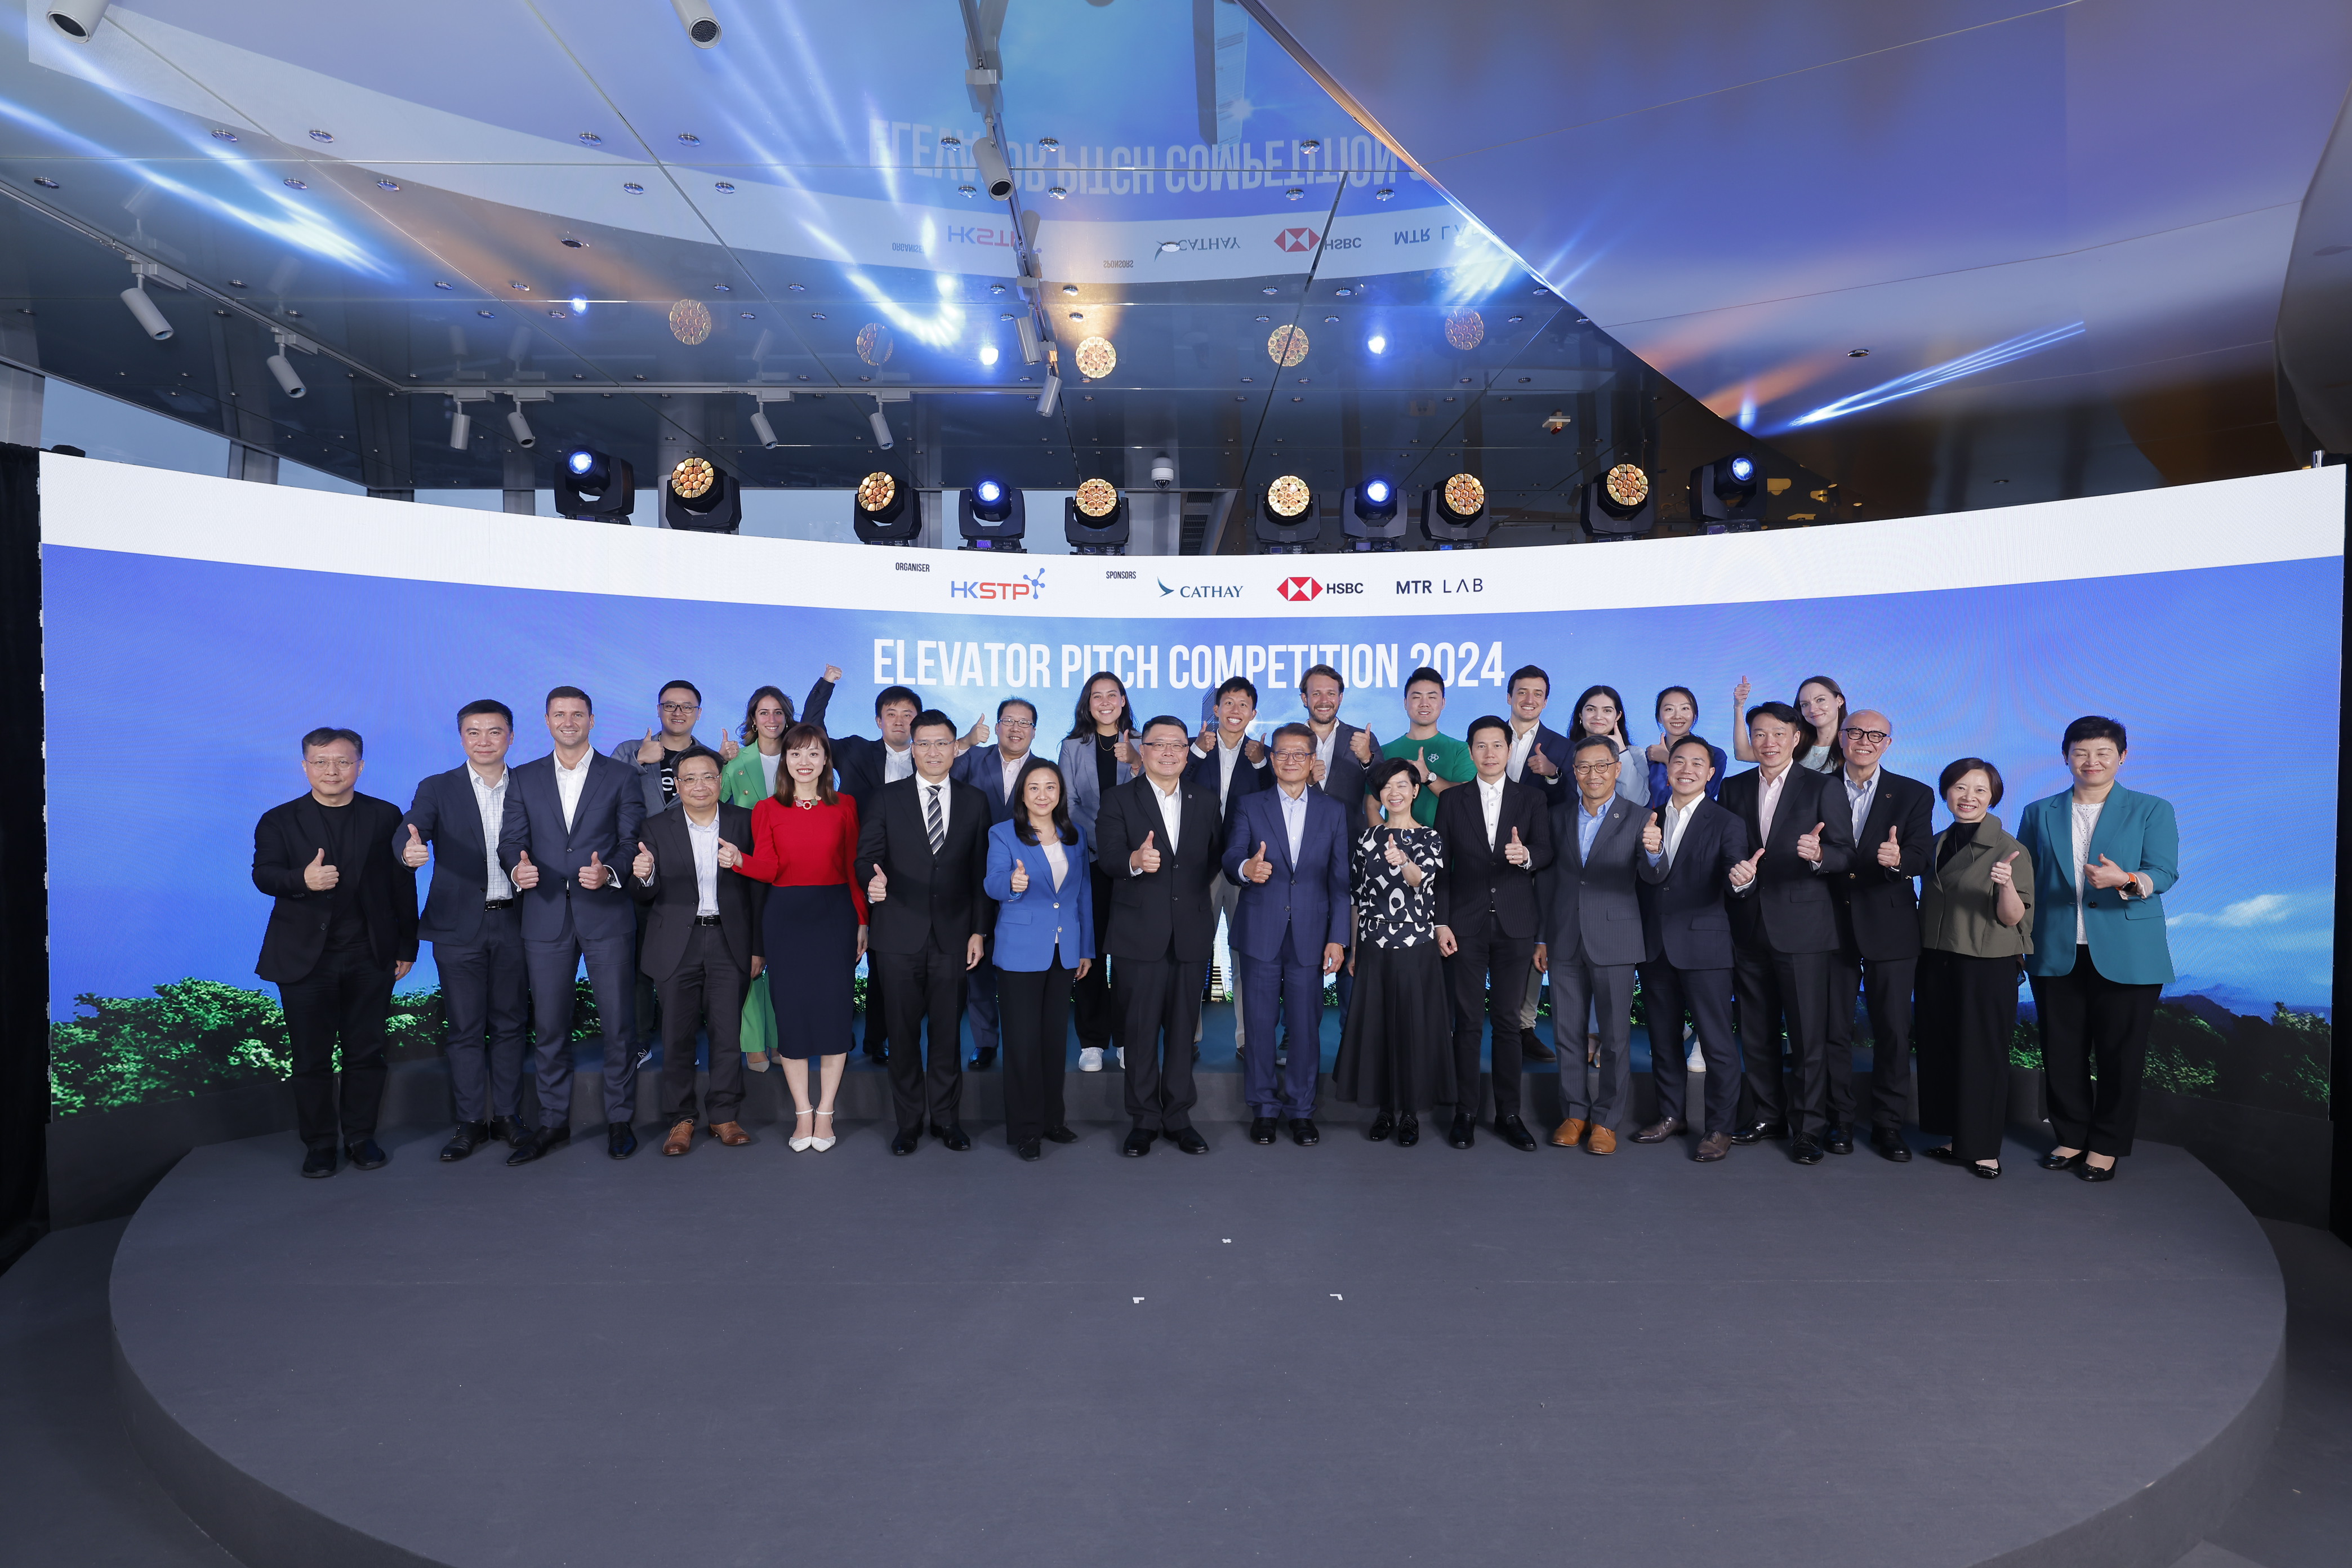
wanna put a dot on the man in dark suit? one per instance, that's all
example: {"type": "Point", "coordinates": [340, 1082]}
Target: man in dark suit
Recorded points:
{"type": "Point", "coordinates": [1592, 940]}
{"type": "Point", "coordinates": [1343, 752]}
{"type": "Point", "coordinates": [1784, 929]}
{"type": "Point", "coordinates": [703, 943]}
{"type": "Point", "coordinates": [923, 854]}
{"type": "Point", "coordinates": [341, 932]}
{"type": "Point", "coordinates": [1286, 851]}
{"type": "Point", "coordinates": [570, 823]}
{"type": "Point", "coordinates": [1538, 757]}
{"type": "Point", "coordinates": [863, 764]}
{"type": "Point", "coordinates": [1878, 933]}
{"type": "Point", "coordinates": [1160, 839]}
{"type": "Point", "coordinates": [1688, 849]}
{"type": "Point", "coordinates": [1497, 838]}
{"type": "Point", "coordinates": [994, 770]}
{"type": "Point", "coordinates": [1230, 765]}
{"type": "Point", "coordinates": [474, 921]}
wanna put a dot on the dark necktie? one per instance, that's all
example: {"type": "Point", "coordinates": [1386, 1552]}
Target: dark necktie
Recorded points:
{"type": "Point", "coordinates": [939, 827]}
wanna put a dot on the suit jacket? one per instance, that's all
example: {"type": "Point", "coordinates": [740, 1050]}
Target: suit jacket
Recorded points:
{"type": "Point", "coordinates": [743, 782]}
{"type": "Point", "coordinates": [1960, 903]}
{"type": "Point", "coordinates": [858, 762]}
{"type": "Point", "coordinates": [1554, 746]}
{"type": "Point", "coordinates": [1164, 913]}
{"type": "Point", "coordinates": [611, 810]}
{"type": "Point", "coordinates": [1682, 915]}
{"type": "Point", "coordinates": [1307, 897]}
{"type": "Point", "coordinates": [285, 841]}
{"type": "Point", "coordinates": [1592, 910]}
{"type": "Point", "coordinates": [1032, 923]}
{"type": "Point", "coordinates": [2126, 936]}
{"type": "Point", "coordinates": [1878, 910]}
{"type": "Point", "coordinates": [674, 893]}
{"type": "Point", "coordinates": [1477, 877]}
{"type": "Point", "coordinates": [444, 813]}
{"type": "Point", "coordinates": [1788, 909]}
{"type": "Point", "coordinates": [1247, 776]}
{"type": "Point", "coordinates": [1085, 791]}
{"type": "Point", "coordinates": [1343, 781]}
{"type": "Point", "coordinates": [982, 767]}
{"type": "Point", "coordinates": [932, 898]}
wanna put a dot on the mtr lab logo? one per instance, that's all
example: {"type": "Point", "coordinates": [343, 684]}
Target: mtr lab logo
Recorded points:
{"type": "Point", "coordinates": [1297, 239]}
{"type": "Point", "coordinates": [1298, 590]}
{"type": "Point", "coordinates": [1028, 587]}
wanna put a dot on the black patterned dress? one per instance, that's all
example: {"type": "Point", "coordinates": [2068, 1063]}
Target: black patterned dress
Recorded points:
{"type": "Point", "coordinates": [1394, 1052]}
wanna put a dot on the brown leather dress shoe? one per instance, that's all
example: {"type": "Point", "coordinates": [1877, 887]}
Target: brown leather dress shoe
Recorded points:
{"type": "Point", "coordinates": [731, 1133]}
{"type": "Point", "coordinates": [1713, 1147]}
{"type": "Point", "coordinates": [1659, 1131]}
{"type": "Point", "coordinates": [1602, 1141]}
{"type": "Point", "coordinates": [1568, 1133]}
{"type": "Point", "coordinates": [680, 1139]}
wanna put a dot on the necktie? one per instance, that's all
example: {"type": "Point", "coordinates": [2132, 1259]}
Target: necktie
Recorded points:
{"type": "Point", "coordinates": [939, 827]}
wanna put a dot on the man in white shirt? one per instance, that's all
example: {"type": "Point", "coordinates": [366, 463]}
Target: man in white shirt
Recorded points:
{"type": "Point", "coordinates": [1538, 757]}
{"type": "Point", "coordinates": [995, 771]}
{"type": "Point", "coordinates": [1227, 760]}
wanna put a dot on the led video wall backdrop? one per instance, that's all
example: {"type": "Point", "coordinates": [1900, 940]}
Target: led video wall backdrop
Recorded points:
{"type": "Point", "coordinates": [197, 627]}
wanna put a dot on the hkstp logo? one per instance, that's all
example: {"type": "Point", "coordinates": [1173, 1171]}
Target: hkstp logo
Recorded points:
{"type": "Point", "coordinates": [1297, 239]}
{"type": "Point", "coordinates": [1298, 590]}
{"type": "Point", "coordinates": [1028, 587]}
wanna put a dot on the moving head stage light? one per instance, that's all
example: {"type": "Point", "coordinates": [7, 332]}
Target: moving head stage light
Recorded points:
{"type": "Point", "coordinates": [1619, 505]}
{"type": "Point", "coordinates": [594, 486]}
{"type": "Point", "coordinates": [1094, 519]}
{"type": "Point", "coordinates": [886, 511]}
{"type": "Point", "coordinates": [1454, 514]}
{"type": "Point", "coordinates": [700, 499]}
{"type": "Point", "coordinates": [992, 515]}
{"type": "Point", "coordinates": [1286, 524]}
{"type": "Point", "coordinates": [1724, 493]}
{"type": "Point", "coordinates": [1373, 517]}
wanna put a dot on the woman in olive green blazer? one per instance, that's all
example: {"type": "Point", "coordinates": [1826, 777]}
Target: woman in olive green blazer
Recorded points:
{"type": "Point", "coordinates": [1976, 916]}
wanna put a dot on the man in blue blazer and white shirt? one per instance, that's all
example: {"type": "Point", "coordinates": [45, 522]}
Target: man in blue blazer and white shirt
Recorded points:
{"type": "Point", "coordinates": [473, 918]}
{"type": "Point", "coordinates": [1689, 846]}
{"type": "Point", "coordinates": [568, 834]}
{"type": "Point", "coordinates": [1590, 941]}
{"type": "Point", "coordinates": [994, 770]}
{"type": "Point", "coordinates": [1286, 851]}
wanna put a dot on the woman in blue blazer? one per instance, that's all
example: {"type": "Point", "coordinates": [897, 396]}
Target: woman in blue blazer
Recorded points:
{"type": "Point", "coordinates": [2102, 858]}
{"type": "Point", "coordinates": [1037, 873]}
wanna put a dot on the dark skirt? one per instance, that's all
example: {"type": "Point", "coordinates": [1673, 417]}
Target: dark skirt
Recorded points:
{"type": "Point", "coordinates": [1395, 1051]}
{"type": "Point", "coordinates": [811, 940]}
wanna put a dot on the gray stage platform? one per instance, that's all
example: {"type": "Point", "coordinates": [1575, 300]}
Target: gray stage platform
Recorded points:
{"type": "Point", "coordinates": [1347, 1354]}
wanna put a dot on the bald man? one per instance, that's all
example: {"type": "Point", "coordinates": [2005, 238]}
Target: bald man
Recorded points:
{"type": "Point", "coordinates": [1878, 933]}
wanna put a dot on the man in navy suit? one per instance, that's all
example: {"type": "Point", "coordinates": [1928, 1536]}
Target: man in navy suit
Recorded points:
{"type": "Point", "coordinates": [568, 834]}
{"type": "Point", "coordinates": [1590, 941]}
{"type": "Point", "coordinates": [995, 771]}
{"type": "Point", "coordinates": [474, 921]}
{"type": "Point", "coordinates": [1688, 849]}
{"type": "Point", "coordinates": [1286, 851]}
{"type": "Point", "coordinates": [1538, 757]}
{"type": "Point", "coordinates": [1229, 765]}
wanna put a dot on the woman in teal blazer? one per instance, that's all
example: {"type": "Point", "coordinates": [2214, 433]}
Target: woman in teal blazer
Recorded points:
{"type": "Point", "coordinates": [1038, 873]}
{"type": "Point", "coordinates": [2102, 858]}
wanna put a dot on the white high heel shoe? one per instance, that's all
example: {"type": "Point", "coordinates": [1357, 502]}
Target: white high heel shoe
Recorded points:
{"type": "Point", "coordinates": [801, 1140]}
{"type": "Point", "coordinates": [821, 1144]}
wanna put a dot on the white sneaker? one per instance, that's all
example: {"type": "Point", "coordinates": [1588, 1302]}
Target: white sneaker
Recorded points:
{"type": "Point", "coordinates": [1695, 1061]}
{"type": "Point", "coordinates": [1121, 1052]}
{"type": "Point", "coordinates": [1090, 1058]}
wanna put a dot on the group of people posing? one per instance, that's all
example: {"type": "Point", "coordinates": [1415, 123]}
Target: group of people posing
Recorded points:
{"type": "Point", "coordinates": [730, 894]}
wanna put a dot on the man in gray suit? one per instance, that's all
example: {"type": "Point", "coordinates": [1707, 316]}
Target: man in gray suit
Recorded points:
{"type": "Point", "coordinates": [1342, 752]}
{"type": "Point", "coordinates": [568, 834]}
{"type": "Point", "coordinates": [1591, 942]}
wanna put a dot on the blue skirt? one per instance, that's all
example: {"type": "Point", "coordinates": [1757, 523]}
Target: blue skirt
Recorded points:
{"type": "Point", "coordinates": [812, 942]}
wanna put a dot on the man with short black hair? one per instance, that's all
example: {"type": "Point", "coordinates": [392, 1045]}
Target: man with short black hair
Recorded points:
{"type": "Point", "coordinates": [341, 933]}
{"type": "Point", "coordinates": [1227, 760]}
{"type": "Point", "coordinates": [1689, 846]}
{"type": "Point", "coordinates": [655, 758]}
{"type": "Point", "coordinates": [995, 771]}
{"type": "Point", "coordinates": [1590, 941]}
{"type": "Point", "coordinates": [1538, 756]}
{"type": "Point", "coordinates": [864, 764]}
{"type": "Point", "coordinates": [1442, 762]}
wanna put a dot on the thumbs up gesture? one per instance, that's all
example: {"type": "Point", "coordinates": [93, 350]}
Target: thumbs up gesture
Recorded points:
{"type": "Point", "coordinates": [2107, 874]}
{"type": "Point", "coordinates": [878, 889]}
{"type": "Point", "coordinates": [1394, 855]}
{"type": "Point", "coordinates": [2001, 871]}
{"type": "Point", "coordinates": [1127, 748]}
{"type": "Point", "coordinates": [1360, 744]}
{"type": "Point", "coordinates": [1653, 838]}
{"type": "Point", "coordinates": [525, 874]}
{"type": "Point", "coordinates": [729, 747]}
{"type": "Point", "coordinates": [1208, 741]}
{"type": "Point", "coordinates": [413, 853]}
{"type": "Point", "coordinates": [1744, 871]}
{"type": "Point", "coordinates": [594, 874]}
{"type": "Point", "coordinates": [1258, 867]}
{"type": "Point", "coordinates": [1540, 764]}
{"type": "Point", "coordinates": [641, 867]}
{"type": "Point", "coordinates": [319, 877]}
{"type": "Point", "coordinates": [1809, 845]}
{"type": "Point", "coordinates": [1421, 764]}
{"type": "Point", "coordinates": [1515, 851]}
{"type": "Point", "coordinates": [728, 855]}
{"type": "Point", "coordinates": [1890, 854]}
{"type": "Point", "coordinates": [1145, 858]}
{"type": "Point", "coordinates": [650, 749]}
{"type": "Point", "coordinates": [1019, 876]}
{"type": "Point", "coordinates": [1255, 749]}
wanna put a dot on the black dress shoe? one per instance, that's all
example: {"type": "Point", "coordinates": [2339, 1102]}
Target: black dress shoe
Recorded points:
{"type": "Point", "coordinates": [1533, 1049]}
{"type": "Point", "coordinates": [1888, 1141]}
{"type": "Point", "coordinates": [1804, 1150]}
{"type": "Point", "coordinates": [1408, 1131]}
{"type": "Point", "coordinates": [469, 1136]}
{"type": "Point", "coordinates": [535, 1145]}
{"type": "Point", "coordinates": [2091, 1173]}
{"type": "Point", "coordinates": [1260, 1129]}
{"type": "Point", "coordinates": [907, 1139]}
{"type": "Point", "coordinates": [953, 1135]}
{"type": "Point", "coordinates": [1138, 1144]}
{"type": "Point", "coordinates": [364, 1155]}
{"type": "Point", "coordinates": [1383, 1125]}
{"type": "Point", "coordinates": [1515, 1133]}
{"type": "Point", "coordinates": [1757, 1132]}
{"type": "Point", "coordinates": [1943, 1153]}
{"type": "Point", "coordinates": [1189, 1139]}
{"type": "Point", "coordinates": [1838, 1138]}
{"type": "Point", "coordinates": [620, 1139]}
{"type": "Point", "coordinates": [509, 1132]}
{"type": "Point", "coordinates": [2053, 1161]}
{"type": "Point", "coordinates": [1463, 1133]}
{"type": "Point", "coordinates": [984, 1059]}
{"type": "Point", "coordinates": [1028, 1149]}
{"type": "Point", "coordinates": [319, 1162]}
{"type": "Point", "coordinates": [1303, 1132]}
{"type": "Point", "coordinates": [1057, 1133]}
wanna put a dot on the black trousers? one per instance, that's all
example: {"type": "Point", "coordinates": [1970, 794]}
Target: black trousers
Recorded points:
{"type": "Point", "coordinates": [1773, 988]}
{"type": "Point", "coordinates": [340, 1005]}
{"type": "Point", "coordinates": [707, 979]}
{"type": "Point", "coordinates": [1705, 994]}
{"type": "Point", "coordinates": [1090, 1001]}
{"type": "Point", "coordinates": [1968, 1010]}
{"type": "Point", "coordinates": [1488, 975]}
{"type": "Point", "coordinates": [2094, 1051]}
{"type": "Point", "coordinates": [485, 994]}
{"type": "Point", "coordinates": [1159, 1008]}
{"type": "Point", "coordinates": [1033, 1022]}
{"type": "Point", "coordinates": [919, 988]}
{"type": "Point", "coordinates": [1885, 984]}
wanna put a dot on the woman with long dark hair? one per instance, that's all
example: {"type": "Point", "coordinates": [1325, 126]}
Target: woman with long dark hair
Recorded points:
{"type": "Point", "coordinates": [1098, 757]}
{"type": "Point", "coordinates": [1037, 862]}
{"type": "Point", "coordinates": [1676, 710]}
{"type": "Point", "coordinates": [1601, 712]}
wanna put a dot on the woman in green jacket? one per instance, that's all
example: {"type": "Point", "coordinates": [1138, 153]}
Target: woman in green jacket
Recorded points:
{"type": "Point", "coordinates": [1976, 909]}
{"type": "Point", "coordinates": [746, 781]}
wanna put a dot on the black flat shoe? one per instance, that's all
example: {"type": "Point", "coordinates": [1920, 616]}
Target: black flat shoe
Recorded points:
{"type": "Point", "coordinates": [1838, 1139]}
{"type": "Point", "coordinates": [1515, 1133]}
{"type": "Point", "coordinates": [469, 1136]}
{"type": "Point", "coordinates": [536, 1145]}
{"type": "Point", "coordinates": [1533, 1049]}
{"type": "Point", "coordinates": [1408, 1131]}
{"type": "Point", "coordinates": [1383, 1125]}
{"type": "Point", "coordinates": [1262, 1130]}
{"type": "Point", "coordinates": [1757, 1132]}
{"type": "Point", "coordinates": [1463, 1133]}
{"type": "Point", "coordinates": [1943, 1153]}
{"type": "Point", "coordinates": [953, 1135]}
{"type": "Point", "coordinates": [1888, 1141]}
{"type": "Point", "coordinates": [319, 1162]}
{"type": "Point", "coordinates": [2055, 1161]}
{"type": "Point", "coordinates": [620, 1139]}
{"type": "Point", "coordinates": [1303, 1132]}
{"type": "Point", "coordinates": [1189, 1140]}
{"type": "Point", "coordinates": [906, 1141]}
{"type": "Point", "coordinates": [1057, 1133]}
{"type": "Point", "coordinates": [1138, 1145]}
{"type": "Point", "coordinates": [364, 1155]}
{"type": "Point", "coordinates": [2091, 1173]}
{"type": "Point", "coordinates": [1028, 1150]}
{"type": "Point", "coordinates": [1804, 1151]}
{"type": "Point", "coordinates": [1989, 1172]}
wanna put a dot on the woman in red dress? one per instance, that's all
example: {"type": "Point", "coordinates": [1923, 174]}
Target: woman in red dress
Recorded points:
{"type": "Point", "coordinates": [805, 839]}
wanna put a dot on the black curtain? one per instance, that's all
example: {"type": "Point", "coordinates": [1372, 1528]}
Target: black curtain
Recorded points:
{"type": "Point", "coordinates": [24, 868]}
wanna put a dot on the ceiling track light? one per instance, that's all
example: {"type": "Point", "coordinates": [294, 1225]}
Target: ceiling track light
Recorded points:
{"type": "Point", "coordinates": [881, 423]}
{"type": "Point", "coordinates": [77, 19]}
{"type": "Point", "coordinates": [1051, 396]}
{"type": "Point", "coordinates": [461, 424]}
{"type": "Point", "coordinates": [516, 424]}
{"type": "Point", "coordinates": [1031, 349]}
{"type": "Point", "coordinates": [995, 174]}
{"type": "Point", "coordinates": [151, 319]}
{"type": "Point", "coordinates": [701, 27]}
{"type": "Point", "coordinates": [761, 428]}
{"type": "Point", "coordinates": [282, 368]}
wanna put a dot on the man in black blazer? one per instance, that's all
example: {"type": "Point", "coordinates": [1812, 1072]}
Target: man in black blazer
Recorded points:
{"type": "Point", "coordinates": [1497, 838]}
{"type": "Point", "coordinates": [1878, 933]}
{"type": "Point", "coordinates": [1590, 943]}
{"type": "Point", "coordinates": [1689, 851]}
{"type": "Point", "coordinates": [703, 943]}
{"type": "Point", "coordinates": [995, 771]}
{"type": "Point", "coordinates": [1784, 928]}
{"type": "Point", "coordinates": [1538, 757]}
{"type": "Point", "coordinates": [1160, 838]}
{"type": "Point", "coordinates": [923, 854]}
{"type": "Point", "coordinates": [473, 918]}
{"type": "Point", "coordinates": [341, 932]}
{"type": "Point", "coordinates": [1230, 764]}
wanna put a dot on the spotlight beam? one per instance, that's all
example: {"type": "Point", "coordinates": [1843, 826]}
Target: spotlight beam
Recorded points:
{"type": "Point", "coordinates": [1934, 376]}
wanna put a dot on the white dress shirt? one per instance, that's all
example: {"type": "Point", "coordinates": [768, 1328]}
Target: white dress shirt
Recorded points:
{"type": "Point", "coordinates": [1057, 857]}
{"type": "Point", "coordinates": [570, 782]}
{"type": "Point", "coordinates": [1674, 819]}
{"type": "Point", "coordinates": [1522, 745]}
{"type": "Point", "coordinates": [1859, 796]}
{"type": "Point", "coordinates": [1327, 748]}
{"type": "Point", "coordinates": [1226, 757]}
{"type": "Point", "coordinates": [924, 791]}
{"type": "Point", "coordinates": [1013, 767]}
{"type": "Point", "coordinates": [1294, 816]}
{"type": "Point", "coordinates": [1768, 800]}
{"type": "Point", "coordinates": [705, 843]}
{"type": "Point", "coordinates": [897, 764]}
{"type": "Point", "coordinates": [491, 801]}
{"type": "Point", "coordinates": [1490, 801]}
{"type": "Point", "coordinates": [1172, 813]}
{"type": "Point", "coordinates": [2086, 824]}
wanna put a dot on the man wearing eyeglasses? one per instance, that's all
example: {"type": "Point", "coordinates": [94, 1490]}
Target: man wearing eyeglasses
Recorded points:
{"type": "Point", "coordinates": [655, 758]}
{"type": "Point", "coordinates": [1878, 933]}
{"type": "Point", "coordinates": [1590, 941]}
{"type": "Point", "coordinates": [995, 771]}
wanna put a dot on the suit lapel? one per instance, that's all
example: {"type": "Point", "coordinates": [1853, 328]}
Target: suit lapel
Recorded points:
{"type": "Point", "coordinates": [468, 812]}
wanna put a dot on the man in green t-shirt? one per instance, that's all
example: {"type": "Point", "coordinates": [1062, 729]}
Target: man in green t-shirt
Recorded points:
{"type": "Point", "coordinates": [1443, 762]}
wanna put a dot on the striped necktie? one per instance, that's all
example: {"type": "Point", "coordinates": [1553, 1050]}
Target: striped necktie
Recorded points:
{"type": "Point", "coordinates": [937, 823]}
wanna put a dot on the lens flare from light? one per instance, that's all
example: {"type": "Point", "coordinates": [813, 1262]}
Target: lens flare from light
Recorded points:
{"type": "Point", "coordinates": [1377, 344]}
{"type": "Point", "coordinates": [580, 462]}
{"type": "Point", "coordinates": [1920, 381]}
{"type": "Point", "coordinates": [579, 306]}
{"type": "Point", "coordinates": [1377, 491]}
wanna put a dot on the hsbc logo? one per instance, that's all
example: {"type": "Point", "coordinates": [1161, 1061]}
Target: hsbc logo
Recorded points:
{"type": "Point", "coordinates": [1298, 590]}
{"type": "Point", "coordinates": [1297, 239]}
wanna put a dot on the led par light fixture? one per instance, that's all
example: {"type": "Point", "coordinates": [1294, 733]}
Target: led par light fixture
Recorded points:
{"type": "Point", "coordinates": [1620, 504]}
{"type": "Point", "coordinates": [886, 511]}
{"type": "Point", "coordinates": [700, 499]}
{"type": "Point", "coordinates": [1286, 524]}
{"type": "Point", "coordinates": [1094, 519]}
{"type": "Point", "coordinates": [1454, 514]}
{"type": "Point", "coordinates": [594, 486]}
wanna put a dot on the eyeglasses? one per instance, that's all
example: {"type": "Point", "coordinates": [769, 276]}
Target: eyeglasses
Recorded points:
{"type": "Point", "coordinates": [1592, 770]}
{"type": "Point", "coordinates": [1165, 745]}
{"type": "Point", "coordinates": [681, 707]}
{"type": "Point", "coordinates": [1015, 724]}
{"type": "Point", "coordinates": [933, 744]}
{"type": "Point", "coordinates": [1291, 753]}
{"type": "Point", "coordinates": [1872, 737]}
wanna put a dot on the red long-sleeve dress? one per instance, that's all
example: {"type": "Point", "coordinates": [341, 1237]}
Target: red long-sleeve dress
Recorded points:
{"type": "Point", "coordinates": [815, 906]}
